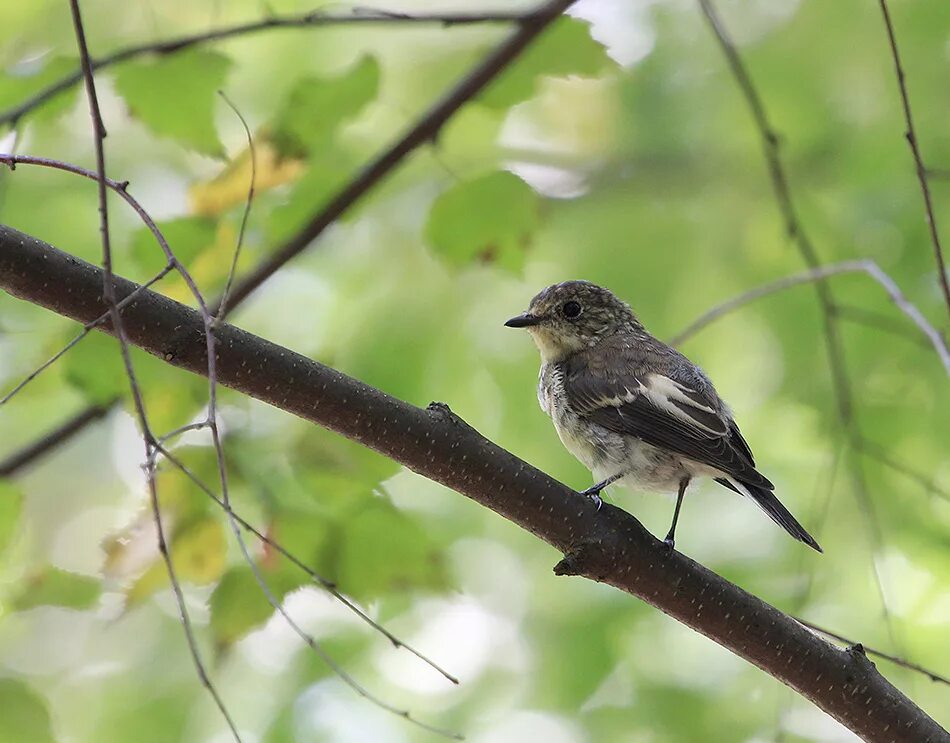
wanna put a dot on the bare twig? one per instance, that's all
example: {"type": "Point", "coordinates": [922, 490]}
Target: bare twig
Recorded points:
{"type": "Point", "coordinates": [606, 545]}
{"type": "Point", "coordinates": [880, 321]}
{"type": "Point", "coordinates": [272, 23]}
{"type": "Point", "coordinates": [783, 196]}
{"type": "Point", "coordinates": [911, 136]}
{"type": "Point", "coordinates": [879, 454]}
{"type": "Point", "coordinates": [22, 458]}
{"type": "Point", "coordinates": [427, 128]}
{"type": "Point", "coordinates": [871, 651]}
{"type": "Point", "coordinates": [108, 295]}
{"type": "Point", "coordinates": [223, 303]}
{"type": "Point", "coordinates": [819, 274]}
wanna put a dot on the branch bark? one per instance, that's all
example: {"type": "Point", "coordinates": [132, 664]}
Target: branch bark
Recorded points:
{"type": "Point", "coordinates": [609, 546]}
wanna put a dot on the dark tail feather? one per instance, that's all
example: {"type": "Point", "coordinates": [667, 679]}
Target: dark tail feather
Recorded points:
{"type": "Point", "coordinates": [767, 501]}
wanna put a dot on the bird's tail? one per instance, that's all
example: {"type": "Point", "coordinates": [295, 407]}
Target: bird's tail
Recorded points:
{"type": "Point", "coordinates": [767, 501]}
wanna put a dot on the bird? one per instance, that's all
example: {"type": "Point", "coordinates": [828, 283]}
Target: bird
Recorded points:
{"type": "Point", "coordinates": [634, 410]}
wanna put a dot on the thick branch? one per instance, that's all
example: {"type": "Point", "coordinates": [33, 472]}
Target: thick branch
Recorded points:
{"type": "Point", "coordinates": [609, 546]}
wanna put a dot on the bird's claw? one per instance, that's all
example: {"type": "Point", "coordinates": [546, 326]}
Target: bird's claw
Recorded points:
{"type": "Point", "coordinates": [669, 543]}
{"type": "Point", "coordinates": [594, 494]}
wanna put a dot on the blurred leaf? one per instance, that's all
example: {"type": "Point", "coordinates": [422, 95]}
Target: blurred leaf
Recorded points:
{"type": "Point", "coordinates": [11, 505]}
{"type": "Point", "coordinates": [565, 48]}
{"type": "Point", "coordinates": [94, 367]}
{"type": "Point", "coordinates": [23, 714]}
{"type": "Point", "coordinates": [230, 187]}
{"type": "Point", "coordinates": [16, 87]}
{"type": "Point", "coordinates": [54, 587]}
{"type": "Point", "coordinates": [317, 106]}
{"type": "Point", "coordinates": [491, 219]}
{"type": "Point", "coordinates": [238, 604]}
{"type": "Point", "coordinates": [384, 550]}
{"type": "Point", "coordinates": [186, 236]}
{"type": "Point", "coordinates": [199, 553]}
{"type": "Point", "coordinates": [175, 96]}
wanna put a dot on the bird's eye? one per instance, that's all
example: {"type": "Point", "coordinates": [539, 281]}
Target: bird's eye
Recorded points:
{"type": "Point", "coordinates": [571, 309]}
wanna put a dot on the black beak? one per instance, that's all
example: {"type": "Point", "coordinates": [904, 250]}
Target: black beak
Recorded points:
{"type": "Point", "coordinates": [525, 320]}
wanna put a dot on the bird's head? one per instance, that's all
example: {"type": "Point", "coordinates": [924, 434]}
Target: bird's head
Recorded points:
{"type": "Point", "coordinates": [574, 315]}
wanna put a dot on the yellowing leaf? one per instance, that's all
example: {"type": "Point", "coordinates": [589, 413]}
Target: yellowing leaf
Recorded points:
{"type": "Point", "coordinates": [230, 187]}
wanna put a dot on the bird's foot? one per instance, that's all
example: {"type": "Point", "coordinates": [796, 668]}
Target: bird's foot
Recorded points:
{"type": "Point", "coordinates": [669, 542]}
{"type": "Point", "coordinates": [594, 494]}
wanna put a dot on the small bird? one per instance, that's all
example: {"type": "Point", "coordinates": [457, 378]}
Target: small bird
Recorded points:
{"type": "Point", "coordinates": [634, 410]}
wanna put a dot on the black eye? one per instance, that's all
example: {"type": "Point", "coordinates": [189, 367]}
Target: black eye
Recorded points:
{"type": "Point", "coordinates": [571, 309]}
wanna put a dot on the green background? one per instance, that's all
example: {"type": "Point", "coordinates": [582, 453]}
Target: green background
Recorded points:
{"type": "Point", "coordinates": [628, 158]}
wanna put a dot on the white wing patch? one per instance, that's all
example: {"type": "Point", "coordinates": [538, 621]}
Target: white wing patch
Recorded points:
{"type": "Point", "coordinates": [669, 396]}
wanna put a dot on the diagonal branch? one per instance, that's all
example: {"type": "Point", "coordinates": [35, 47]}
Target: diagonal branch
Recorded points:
{"type": "Point", "coordinates": [607, 545]}
{"type": "Point", "coordinates": [310, 19]}
{"type": "Point", "coordinates": [425, 130]}
{"type": "Point", "coordinates": [911, 136]}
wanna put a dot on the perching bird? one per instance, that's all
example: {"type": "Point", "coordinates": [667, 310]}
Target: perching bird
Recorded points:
{"type": "Point", "coordinates": [634, 410]}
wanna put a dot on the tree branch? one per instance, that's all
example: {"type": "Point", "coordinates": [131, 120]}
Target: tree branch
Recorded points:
{"type": "Point", "coordinates": [609, 545]}
{"type": "Point", "coordinates": [911, 136]}
{"type": "Point", "coordinates": [426, 129]}
{"type": "Point", "coordinates": [296, 21]}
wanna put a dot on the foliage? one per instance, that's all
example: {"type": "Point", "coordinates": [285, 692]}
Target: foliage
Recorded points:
{"type": "Point", "coordinates": [646, 176]}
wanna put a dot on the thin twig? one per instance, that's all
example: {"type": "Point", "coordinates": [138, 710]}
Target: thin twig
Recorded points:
{"type": "Point", "coordinates": [532, 23]}
{"type": "Point", "coordinates": [783, 196]}
{"type": "Point", "coordinates": [864, 266]}
{"type": "Point", "coordinates": [871, 651]}
{"type": "Point", "coordinates": [223, 304]}
{"type": "Point", "coordinates": [911, 136]}
{"type": "Point", "coordinates": [426, 129]}
{"type": "Point", "coordinates": [108, 294]}
{"type": "Point", "coordinates": [880, 321]}
{"type": "Point", "coordinates": [879, 454]}
{"type": "Point", "coordinates": [22, 458]}
{"type": "Point", "coordinates": [318, 579]}
{"type": "Point", "coordinates": [86, 329]}
{"type": "Point", "coordinates": [272, 23]}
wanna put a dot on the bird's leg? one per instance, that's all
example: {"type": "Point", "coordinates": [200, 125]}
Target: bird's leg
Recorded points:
{"type": "Point", "coordinates": [593, 492]}
{"type": "Point", "coordinates": [670, 541]}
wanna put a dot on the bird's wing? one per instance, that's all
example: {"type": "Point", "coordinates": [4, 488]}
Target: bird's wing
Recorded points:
{"type": "Point", "coordinates": [670, 414]}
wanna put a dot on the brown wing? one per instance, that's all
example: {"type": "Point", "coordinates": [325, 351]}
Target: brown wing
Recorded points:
{"type": "Point", "coordinates": [682, 415]}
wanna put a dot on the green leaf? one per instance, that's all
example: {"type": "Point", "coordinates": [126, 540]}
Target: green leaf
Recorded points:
{"type": "Point", "coordinates": [23, 713]}
{"type": "Point", "coordinates": [384, 550]}
{"type": "Point", "coordinates": [54, 587]}
{"type": "Point", "coordinates": [186, 236]}
{"type": "Point", "coordinates": [238, 604]}
{"type": "Point", "coordinates": [490, 218]}
{"type": "Point", "coordinates": [175, 96]}
{"type": "Point", "coordinates": [11, 505]}
{"type": "Point", "coordinates": [94, 366]}
{"type": "Point", "coordinates": [566, 48]}
{"type": "Point", "coordinates": [316, 106]}
{"type": "Point", "coordinates": [17, 88]}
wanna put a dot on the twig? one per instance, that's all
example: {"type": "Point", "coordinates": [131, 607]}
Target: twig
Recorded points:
{"type": "Point", "coordinates": [880, 321]}
{"type": "Point", "coordinates": [879, 454]}
{"type": "Point", "coordinates": [783, 196]}
{"type": "Point", "coordinates": [607, 545]}
{"type": "Point", "coordinates": [318, 579]}
{"type": "Point", "coordinates": [532, 24]}
{"type": "Point", "coordinates": [425, 130]}
{"type": "Point", "coordinates": [108, 294]}
{"type": "Point", "coordinates": [871, 651]}
{"type": "Point", "coordinates": [303, 20]}
{"type": "Point", "coordinates": [223, 303]}
{"type": "Point", "coordinates": [86, 329]}
{"type": "Point", "coordinates": [865, 266]}
{"type": "Point", "coordinates": [911, 136]}
{"type": "Point", "coordinates": [22, 458]}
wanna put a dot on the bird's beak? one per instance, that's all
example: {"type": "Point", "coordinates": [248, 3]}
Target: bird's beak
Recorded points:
{"type": "Point", "coordinates": [524, 320]}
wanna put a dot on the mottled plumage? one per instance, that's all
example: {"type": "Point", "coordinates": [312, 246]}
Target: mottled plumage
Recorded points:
{"type": "Point", "coordinates": [632, 409]}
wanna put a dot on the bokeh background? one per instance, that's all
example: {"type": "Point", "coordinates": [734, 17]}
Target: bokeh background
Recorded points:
{"type": "Point", "coordinates": [619, 151]}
